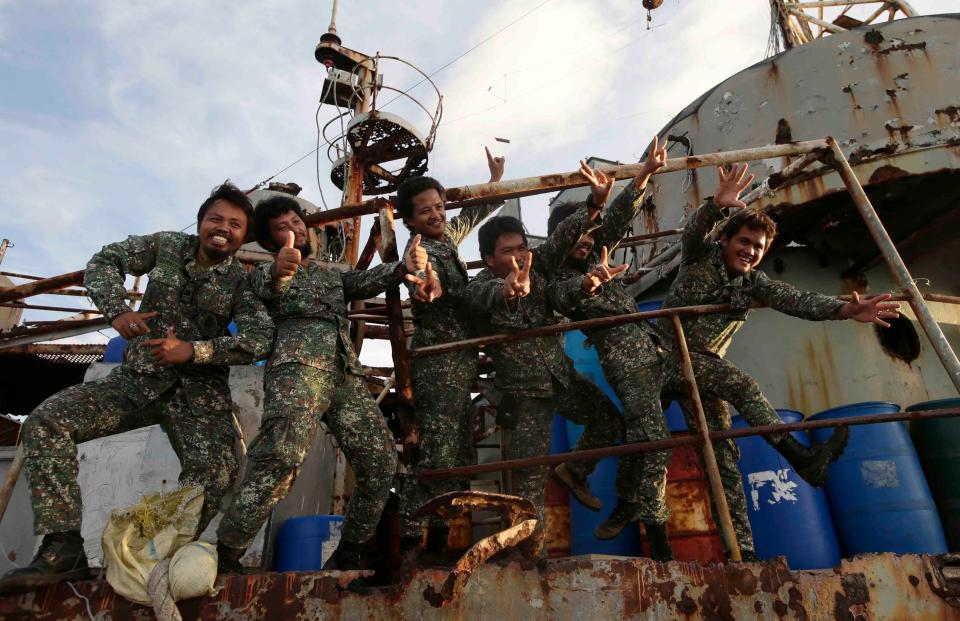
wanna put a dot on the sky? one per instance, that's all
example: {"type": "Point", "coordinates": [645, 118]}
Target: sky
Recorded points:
{"type": "Point", "coordinates": [118, 118]}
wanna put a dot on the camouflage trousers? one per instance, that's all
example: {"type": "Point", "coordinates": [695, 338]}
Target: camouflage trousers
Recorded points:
{"type": "Point", "coordinates": [639, 379]}
{"type": "Point", "coordinates": [581, 402]}
{"type": "Point", "coordinates": [441, 387]}
{"type": "Point", "coordinates": [297, 398]}
{"type": "Point", "coordinates": [196, 415]}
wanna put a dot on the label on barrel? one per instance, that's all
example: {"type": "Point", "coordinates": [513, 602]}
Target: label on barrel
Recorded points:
{"type": "Point", "coordinates": [879, 473]}
{"type": "Point", "coordinates": [774, 485]}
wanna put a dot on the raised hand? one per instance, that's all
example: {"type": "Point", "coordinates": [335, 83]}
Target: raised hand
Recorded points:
{"type": "Point", "coordinates": [730, 185]}
{"type": "Point", "coordinates": [288, 259]}
{"type": "Point", "coordinates": [871, 309]}
{"type": "Point", "coordinates": [601, 273]}
{"type": "Point", "coordinates": [496, 165]}
{"type": "Point", "coordinates": [170, 350]}
{"type": "Point", "coordinates": [656, 159]}
{"type": "Point", "coordinates": [427, 288]}
{"type": "Point", "coordinates": [132, 324]}
{"type": "Point", "coordinates": [517, 283]}
{"type": "Point", "coordinates": [600, 184]}
{"type": "Point", "coordinates": [415, 258]}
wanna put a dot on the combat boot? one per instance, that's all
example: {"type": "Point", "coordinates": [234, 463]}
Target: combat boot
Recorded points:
{"type": "Point", "coordinates": [228, 559]}
{"type": "Point", "coordinates": [659, 544]}
{"type": "Point", "coordinates": [60, 557]}
{"type": "Point", "coordinates": [813, 462]}
{"type": "Point", "coordinates": [576, 485]}
{"type": "Point", "coordinates": [346, 557]}
{"type": "Point", "coordinates": [624, 513]}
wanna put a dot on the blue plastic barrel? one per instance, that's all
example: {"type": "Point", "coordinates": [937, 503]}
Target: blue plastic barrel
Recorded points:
{"type": "Point", "coordinates": [603, 479]}
{"type": "Point", "coordinates": [114, 350]}
{"type": "Point", "coordinates": [304, 543]}
{"type": "Point", "coordinates": [788, 516]}
{"type": "Point", "coordinates": [877, 493]}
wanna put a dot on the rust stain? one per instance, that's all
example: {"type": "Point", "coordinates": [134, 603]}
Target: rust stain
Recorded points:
{"type": "Point", "coordinates": [903, 47]}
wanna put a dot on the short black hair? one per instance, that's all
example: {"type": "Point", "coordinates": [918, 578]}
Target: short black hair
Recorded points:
{"type": "Point", "coordinates": [491, 231]}
{"type": "Point", "coordinates": [267, 210]}
{"type": "Point", "coordinates": [753, 220]}
{"type": "Point", "coordinates": [230, 193]}
{"type": "Point", "coordinates": [410, 188]}
{"type": "Point", "coordinates": [561, 212]}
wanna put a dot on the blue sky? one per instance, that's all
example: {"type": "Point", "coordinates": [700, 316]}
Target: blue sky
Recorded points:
{"type": "Point", "coordinates": [118, 117]}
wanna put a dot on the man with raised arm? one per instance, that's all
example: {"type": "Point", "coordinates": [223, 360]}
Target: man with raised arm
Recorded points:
{"type": "Point", "coordinates": [442, 383]}
{"type": "Point", "coordinates": [535, 377]}
{"type": "Point", "coordinates": [721, 270]}
{"type": "Point", "coordinates": [314, 377]}
{"type": "Point", "coordinates": [174, 373]}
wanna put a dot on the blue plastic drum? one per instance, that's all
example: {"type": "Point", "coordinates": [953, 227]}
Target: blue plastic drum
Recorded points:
{"type": "Point", "coordinates": [877, 493]}
{"type": "Point", "coordinates": [304, 543]}
{"type": "Point", "coordinates": [788, 517]}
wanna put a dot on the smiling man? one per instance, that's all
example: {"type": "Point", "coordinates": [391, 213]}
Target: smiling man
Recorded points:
{"type": "Point", "coordinates": [174, 373]}
{"type": "Point", "coordinates": [441, 384]}
{"type": "Point", "coordinates": [722, 270]}
{"type": "Point", "coordinates": [314, 377]}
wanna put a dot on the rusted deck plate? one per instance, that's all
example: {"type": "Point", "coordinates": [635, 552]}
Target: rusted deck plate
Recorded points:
{"type": "Point", "coordinates": [869, 588]}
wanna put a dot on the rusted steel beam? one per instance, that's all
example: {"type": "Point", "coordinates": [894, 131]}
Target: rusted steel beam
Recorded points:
{"type": "Point", "coordinates": [599, 322]}
{"type": "Point", "coordinates": [67, 349]}
{"type": "Point", "coordinates": [686, 440]}
{"type": "Point", "coordinates": [370, 248]}
{"type": "Point", "coordinates": [634, 239]}
{"type": "Point", "coordinates": [16, 275]}
{"type": "Point", "coordinates": [58, 330]}
{"type": "Point", "coordinates": [398, 337]}
{"type": "Point", "coordinates": [709, 457]}
{"type": "Point", "coordinates": [54, 283]}
{"type": "Point", "coordinates": [88, 311]}
{"type": "Point", "coordinates": [485, 192]}
{"type": "Point", "coordinates": [897, 267]}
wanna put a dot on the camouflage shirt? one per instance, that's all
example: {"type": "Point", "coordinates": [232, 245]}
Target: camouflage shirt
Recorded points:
{"type": "Point", "coordinates": [198, 303]}
{"type": "Point", "coordinates": [703, 279]}
{"type": "Point", "coordinates": [524, 368]}
{"type": "Point", "coordinates": [445, 319]}
{"type": "Point", "coordinates": [567, 297]}
{"type": "Point", "coordinates": [310, 310]}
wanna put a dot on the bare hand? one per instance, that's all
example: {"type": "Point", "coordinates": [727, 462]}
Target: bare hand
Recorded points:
{"type": "Point", "coordinates": [517, 282]}
{"type": "Point", "coordinates": [415, 258]}
{"type": "Point", "coordinates": [132, 324]}
{"type": "Point", "coordinates": [427, 288]}
{"type": "Point", "coordinates": [288, 259]}
{"type": "Point", "coordinates": [656, 159]}
{"type": "Point", "coordinates": [871, 309]}
{"type": "Point", "coordinates": [170, 350]}
{"type": "Point", "coordinates": [496, 166]}
{"type": "Point", "coordinates": [730, 185]}
{"type": "Point", "coordinates": [601, 273]}
{"type": "Point", "coordinates": [600, 184]}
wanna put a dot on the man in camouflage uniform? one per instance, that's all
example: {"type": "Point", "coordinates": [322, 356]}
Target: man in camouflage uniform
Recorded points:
{"type": "Point", "coordinates": [175, 373]}
{"type": "Point", "coordinates": [442, 383]}
{"type": "Point", "coordinates": [534, 376]}
{"type": "Point", "coordinates": [722, 271]}
{"type": "Point", "coordinates": [313, 376]}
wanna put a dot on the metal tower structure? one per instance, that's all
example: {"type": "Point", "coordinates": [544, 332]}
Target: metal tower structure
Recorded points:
{"type": "Point", "coordinates": [795, 22]}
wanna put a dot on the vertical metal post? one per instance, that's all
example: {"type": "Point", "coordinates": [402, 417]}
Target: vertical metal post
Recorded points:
{"type": "Point", "coordinates": [896, 264]}
{"type": "Point", "coordinates": [709, 457]}
{"type": "Point", "coordinates": [3, 248]}
{"type": "Point", "coordinates": [353, 186]}
{"type": "Point", "coordinates": [398, 340]}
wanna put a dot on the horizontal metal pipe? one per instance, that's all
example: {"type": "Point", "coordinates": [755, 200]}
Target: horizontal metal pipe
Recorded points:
{"type": "Point", "coordinates": [629, 241]}
{"type": "Point", "coordinates": [89, 311]}
{"type": "Point", "coordinates": [684, 440]}
{"type": "Point", "coordinates": [486, 192]}
{"type": "Point", "coordinates": [73, 349]}
{"type": "Point", "coordinates": [9, 294]}
{"type": "Point", "coordinates": [614, 320]}
{"type": "Point", "coordinates": [18, 275]}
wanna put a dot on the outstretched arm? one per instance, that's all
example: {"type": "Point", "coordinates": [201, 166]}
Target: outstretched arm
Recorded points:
{"type": "Point", "coordinates": [726, 198]}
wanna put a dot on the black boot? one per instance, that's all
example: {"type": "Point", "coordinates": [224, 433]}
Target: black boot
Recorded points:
{"type": "Point", "coordinates": [622, 514]}
{"type": "Point", "coordinates": [60, 557]}
{"type": "Point", "coordinates": [228, 559]}
{"type": "Point", "coordinates": [347, 557]}
{"type": "Point", "coordinates": [659, 544]}
{"type": "Point", "coordinates": [576, 485]}
{"type": "Point", "coordinates": [813, 462]}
